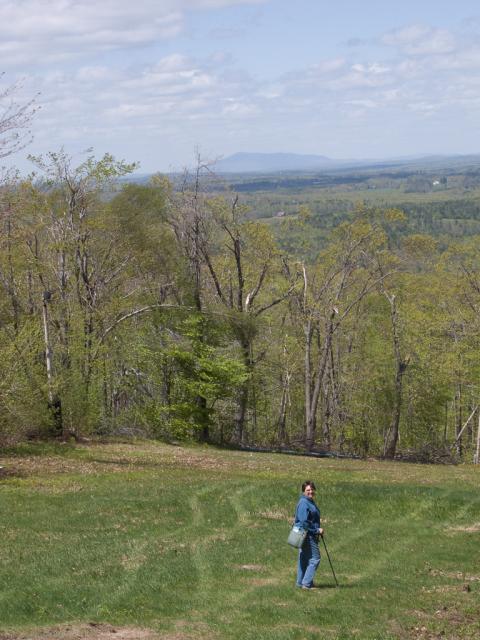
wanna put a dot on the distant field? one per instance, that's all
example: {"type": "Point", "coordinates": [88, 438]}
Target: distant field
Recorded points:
{"type": "Point", "coordinates": [153, 541]}
{"type": "Point", "coordinates": [372, 197]}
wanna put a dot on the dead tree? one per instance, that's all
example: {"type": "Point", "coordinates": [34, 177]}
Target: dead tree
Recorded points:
{"type": "Point", "coordinates": [15, 118]}
{"type": "Point", "coordinates": [401, 364]}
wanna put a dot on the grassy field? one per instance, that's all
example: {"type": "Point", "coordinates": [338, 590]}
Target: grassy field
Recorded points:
{"type": "Point", "coordinates": [147, 540]}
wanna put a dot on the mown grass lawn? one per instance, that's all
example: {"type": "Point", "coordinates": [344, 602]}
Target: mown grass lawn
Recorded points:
{"type": "Point", "coordinates": [190, 542]}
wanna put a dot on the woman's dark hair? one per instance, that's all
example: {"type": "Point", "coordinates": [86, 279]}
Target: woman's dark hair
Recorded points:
{"type": "Point", "coordinates": [308, 483]}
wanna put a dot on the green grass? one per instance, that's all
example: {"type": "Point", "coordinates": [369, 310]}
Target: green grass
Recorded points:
{"type": "Point", "coordinates": [170, 538]}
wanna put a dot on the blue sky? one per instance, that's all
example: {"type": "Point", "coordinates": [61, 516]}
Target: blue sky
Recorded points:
{"type": "Point", "coordinates": [152, 80]}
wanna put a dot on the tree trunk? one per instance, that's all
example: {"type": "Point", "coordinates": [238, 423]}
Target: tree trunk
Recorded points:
{"type": "Point", "coordinates": [240, 414]}
{"type": "Point", "coordinates": [458, 420]}
{"type": "Point", "coordinates": [391, 439]}
{"type": "Point", "coordinates": [401, 364]}
{"type": "Point", "coordinates": [310, 419]}
{"type": "Point", "coordinates": [11, 278]}
{"type": "Point", "coordinates": [282, 418]}
{"type": "Point", "coordinates": [204, 433]}
{"type": "Point", "coordinates": [242, 400]}
{"type": "Point", "coordinates": [54, 402]}
{"type": "Point", "coordinates": [476, 457]}
{"type": "Point", "coordinates": [313, 388]}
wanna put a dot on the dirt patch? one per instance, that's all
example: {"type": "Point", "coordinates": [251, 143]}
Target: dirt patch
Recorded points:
{"type": "Point", "coordinates": [91, 631]}
{"type": "Point", "coordinates": [98, 457]}
{"type": "Point", "coordinates": [454, 575]}
{"type": "Point", "coordinates": [273, 515]}
{"type": "Point", "coordinates": [262, 582]}
{"type": "Point", "coordinates": [447, 622]}
{"type": "Point", "coordinates": [98, 631]}
{"type": "Point", "coordinates": [473, 528]}
{"type": "Point", "coordinates": [10, 472]}
{"type": "Point", "coordinates": [300, 630]}
{"type": "Point", "coordinates": [251, 567]}
{"type": "Point", "coordinates": [52, 465]}
{"type": "Point", "coordinates": [446, 588]}
{"type": "Point", "coordinates": [188, 630]}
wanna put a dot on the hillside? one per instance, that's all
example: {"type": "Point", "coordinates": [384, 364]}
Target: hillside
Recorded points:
{"type": "Point", "coordinates": [147, 540]}
{"type": "Point", "coordinates": [266, 162]}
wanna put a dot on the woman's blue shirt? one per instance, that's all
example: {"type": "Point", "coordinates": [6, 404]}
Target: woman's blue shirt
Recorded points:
{"type": "Point", "coordinates": [307, 515]}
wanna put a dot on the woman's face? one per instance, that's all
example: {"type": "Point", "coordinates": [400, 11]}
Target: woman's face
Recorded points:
{"type": "Point", "coordinates": [309, 491]}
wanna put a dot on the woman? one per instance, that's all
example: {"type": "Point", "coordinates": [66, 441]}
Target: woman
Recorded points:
{"type": "Point", "coordinates": [307, 517]}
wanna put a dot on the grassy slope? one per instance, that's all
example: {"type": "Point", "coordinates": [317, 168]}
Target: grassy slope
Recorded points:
{"type": "Point", "coordinates": [176, 538]}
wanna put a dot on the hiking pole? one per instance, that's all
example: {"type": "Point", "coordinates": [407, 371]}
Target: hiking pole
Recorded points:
{"type": "Point", "coordinates": [328, 556]}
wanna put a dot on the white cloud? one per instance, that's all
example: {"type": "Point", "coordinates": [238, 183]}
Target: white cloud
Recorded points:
{"type": "Point", "coordinates": [93, 74]}
{"type": "Point", "coordinates": [199, 98]}
{"type": "Point", "coordinates": [239, 109]}
{"type": "Point", "coordinates": [428, 74]}
{"type": "Point", "coordinates": [45, 31]}
{"type": "Point", "coordinates": [421, 40]}
{"type": "Point", "coordinates": [166, 95]}
{"type": "Point", "coordinates": [368, 104]}
{"type": "Point", "coordinates": [328, 66]}
{"type": "Point", "coordinates": [425, 108]}
{"type": "Point", "coordinates": [272, 91]}
{"type": "Point", "coordinates": [419, 74]}
{"type": "Point", "coordinates": [360, 76]}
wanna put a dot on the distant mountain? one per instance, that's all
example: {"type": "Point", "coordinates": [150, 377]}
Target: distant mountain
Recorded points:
{"type": "Point", "coordinates": [268, 162]}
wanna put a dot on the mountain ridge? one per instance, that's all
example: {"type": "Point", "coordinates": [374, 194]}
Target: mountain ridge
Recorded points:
{"type": "Point", "coordinates": [253, 162]}
{"type": "Point", "coordinates": [244, 161]}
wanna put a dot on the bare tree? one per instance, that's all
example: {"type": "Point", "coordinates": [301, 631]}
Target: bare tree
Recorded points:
{"type": "Point", "coordinates": [190, 221]}
{"type": "Point", "coordinates": [249, 277]}
{"type": "Point", "coordinates": [72, 251]}
{"type": "Point", "coordinates": [401, 364]}
{"type": "Point", "coordinates": [15, 117]}
{"type": "Point", "coordinates": [333, 288]}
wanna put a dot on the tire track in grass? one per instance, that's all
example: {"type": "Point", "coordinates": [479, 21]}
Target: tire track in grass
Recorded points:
{"type": "Point", "coordinates": [140, 552]}
{"type": "Point", "coordinates": [199, 558]}
{"type": "Point", "coordinates": [390, 557]}
{"type": "Point", "coordinates": [460, 513]}
{"type": "Point", "coordinates": [379, 563]}
{"type": "Point", "coordinates": [238, 599]}
{"type": "Point", "coordinates": [235, 499]}
{"type": "Point", "coordinates": [198, 547]}
{"type": "Point", "coordinates": [236, 596]}
{"type": "Point", "coordinates": [423, 507]}
{"type": "Point", "coordinates": [199, 590]}
{"type": "Point", "coordinates": [408, 540]}
{"type": "Point", "coordinates": [414, 514]}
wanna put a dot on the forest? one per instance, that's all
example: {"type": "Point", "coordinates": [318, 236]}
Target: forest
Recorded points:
{"type": "Point", "coordinates": [179, 309]}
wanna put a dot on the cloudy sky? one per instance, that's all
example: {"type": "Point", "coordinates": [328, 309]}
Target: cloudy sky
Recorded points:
{"type": "Point", "coordinates": [151, 80]}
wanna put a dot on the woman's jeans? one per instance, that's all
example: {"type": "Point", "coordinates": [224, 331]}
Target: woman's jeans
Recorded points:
{"type": "Point", "coordinates": [308, 561]}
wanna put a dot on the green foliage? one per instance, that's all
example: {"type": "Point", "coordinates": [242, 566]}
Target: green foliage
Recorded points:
{"type": "Point", "coordinates": [23, 392]}
{"type": "Point", "coordinates": [174, 310]}
{"type": "Point", "coordinates": [202, 371]}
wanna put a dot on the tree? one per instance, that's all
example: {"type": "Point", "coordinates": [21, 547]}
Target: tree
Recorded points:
{"type": "Point", "coordinates": [249, 277]}
{"type": "Point", "coordinates": [191, 222]}
{"type": "Point", "coordinates": [332, 288]}
{"type": "Point", "coordinates": [76, 271]}
{"type": "Point", "coordinates": [460, 267]}
{"type": "Point", "coordinates": [15, 117]}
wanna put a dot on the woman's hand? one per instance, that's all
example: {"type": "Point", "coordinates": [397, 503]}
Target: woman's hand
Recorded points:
{"type": "Point", "coordinates": [320, 531]}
